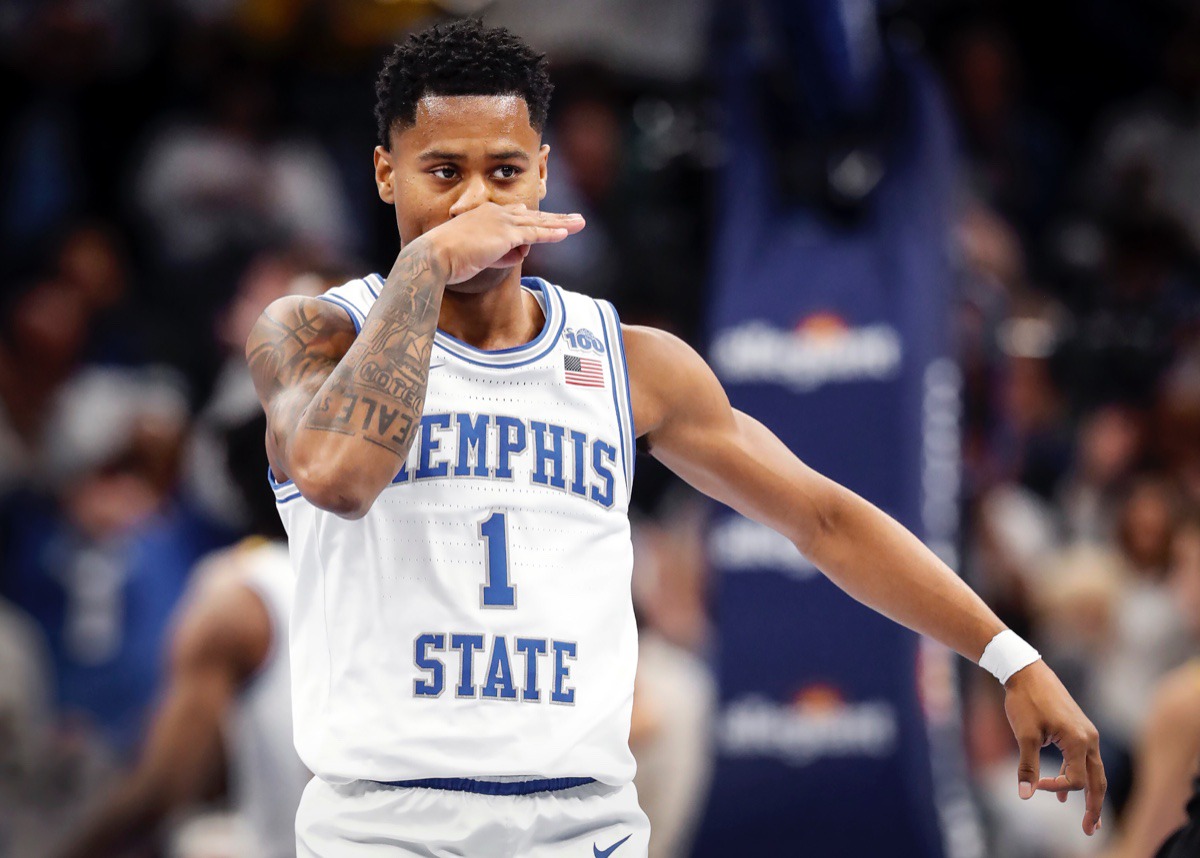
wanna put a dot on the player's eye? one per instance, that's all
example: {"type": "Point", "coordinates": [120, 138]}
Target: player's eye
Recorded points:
{"type": "Point", "coordinates": [444, 172]}
{"type": "Point", "coordinates": [506, 171]}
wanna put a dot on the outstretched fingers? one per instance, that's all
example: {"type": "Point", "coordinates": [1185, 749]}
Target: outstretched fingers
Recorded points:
{"type": "Point", "coordinates": [542, 227]}
{"type": "Point", "coordinates": [1082, 769]}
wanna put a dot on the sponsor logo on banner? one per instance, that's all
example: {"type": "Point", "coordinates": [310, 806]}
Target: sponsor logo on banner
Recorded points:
{"type": "Point", "coordinates": [738, 544]}
{"type": "Point", "coordinates": [821, 349]}
{"type": "Point", "coordinates": [818, 724]}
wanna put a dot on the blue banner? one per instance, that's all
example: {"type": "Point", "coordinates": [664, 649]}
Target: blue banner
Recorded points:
{"type": "Point", "coordinates": [838, 730]}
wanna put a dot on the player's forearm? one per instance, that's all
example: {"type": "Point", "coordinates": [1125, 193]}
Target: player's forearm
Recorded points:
{"type": "Point", "coordinates": [133, 811]}
{"type": "Point", "coordinates": [356, 431]}
{"type": "Point", "coordinates": [881, 564]}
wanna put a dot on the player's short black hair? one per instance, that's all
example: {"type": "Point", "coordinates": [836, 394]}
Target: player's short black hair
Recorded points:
{"type": "Point", "coordinates": [459, 58]}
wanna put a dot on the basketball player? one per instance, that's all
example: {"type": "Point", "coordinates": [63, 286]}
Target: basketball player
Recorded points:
{"type": "Point", "coordinates": [452, 451]}
{"type": "Point", "coordinates": [227, 695]}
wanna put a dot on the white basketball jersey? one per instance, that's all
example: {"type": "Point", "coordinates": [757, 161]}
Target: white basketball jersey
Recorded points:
{"type": "Point", "coordinates": [477, 621]}
{"type": "Point", "coordinates": [266, 776]}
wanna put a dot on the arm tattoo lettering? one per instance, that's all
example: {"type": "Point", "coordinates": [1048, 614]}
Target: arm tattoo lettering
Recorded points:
{"type": "Point", "coordinates": [377, 391]}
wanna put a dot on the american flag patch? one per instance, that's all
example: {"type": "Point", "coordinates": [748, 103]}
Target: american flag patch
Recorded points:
{"type": "Point", "coordinates": [585, 372]}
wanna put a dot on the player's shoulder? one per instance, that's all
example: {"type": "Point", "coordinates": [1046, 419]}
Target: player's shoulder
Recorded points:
{"type": "Point", "coordinates": [291, 325]}
{"type": "Point", "coordinates": [223, 617]}
{"type": "Point", "coordinates": [653, 341]}
{"type": "Point", "coordinates": [666, 376]}
{"type": "Point", "coordinates": [284, 317]}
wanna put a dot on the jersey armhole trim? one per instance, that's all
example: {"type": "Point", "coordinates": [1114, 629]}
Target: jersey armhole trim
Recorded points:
{"type": "Point", "coordinates": [285, 491]}
{"type": "Point", "coordinates": [350, 309]}
{"type": "Point", "coordinates": [610, 326]}
{"type": "Point", "coordinates": [619, 337]}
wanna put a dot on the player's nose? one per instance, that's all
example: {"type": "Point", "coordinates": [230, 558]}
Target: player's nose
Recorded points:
{"type": "Point", "coordinates": [475, 192]}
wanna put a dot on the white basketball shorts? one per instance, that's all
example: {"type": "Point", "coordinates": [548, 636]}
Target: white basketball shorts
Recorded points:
{"type": "Point", "coordinates": [364, 819]}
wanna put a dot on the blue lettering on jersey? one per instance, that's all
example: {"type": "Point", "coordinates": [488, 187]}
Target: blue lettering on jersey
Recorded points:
{"type": "Point", "coordinates": [466, 646]}
{"type": "Point", "coordinates": [499, 675]}
{"type": "Point", "coordinates": [436, 683]}
{"type": "Point", "coordinates": [562, 651]}
{"type": "Point", "coordinates": [578, 443]}
{"type": "Point", "coordinates": [488, 446]}
{"type": "Point", "coordinates": [552, 455]}
{"type": "Point", "coordinates": [600, 452]}
{"type": "Point", "coordinates": [472, 438]}
{"type": "Point", "coordinates": [512, 441]}
{"type": "Point", "coordinates": [500, 680]}
{"type": "Point", "coordinates": [431, 444]}
{"type": "Point", "coordinates": [532, 647]}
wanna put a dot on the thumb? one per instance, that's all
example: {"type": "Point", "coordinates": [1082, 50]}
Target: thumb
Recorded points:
{"type": "Point", "coordinates": [1027, 769]}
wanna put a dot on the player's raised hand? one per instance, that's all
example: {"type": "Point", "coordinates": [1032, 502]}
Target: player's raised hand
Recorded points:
{"type": "Point", "coordinates": [1041, 712]}
{"type": "Point", "coordinates": [495, 236]}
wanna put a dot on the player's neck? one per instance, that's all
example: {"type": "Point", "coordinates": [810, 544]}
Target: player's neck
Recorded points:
{"type": "Point", "coordinates": [503, 317]}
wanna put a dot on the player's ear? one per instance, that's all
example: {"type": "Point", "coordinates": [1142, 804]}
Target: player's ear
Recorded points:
{"type": "Point", "coordinates": [384, 176]}
{"type": "Point", "coordinates": [543, 155]}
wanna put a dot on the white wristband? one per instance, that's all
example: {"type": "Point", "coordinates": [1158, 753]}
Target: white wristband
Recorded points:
{"type": "Point", "coordinates": [1007, 653]}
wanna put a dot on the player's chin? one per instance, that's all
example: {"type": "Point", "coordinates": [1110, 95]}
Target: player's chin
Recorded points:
{"type": "Point", "coordinates": [486, 279]}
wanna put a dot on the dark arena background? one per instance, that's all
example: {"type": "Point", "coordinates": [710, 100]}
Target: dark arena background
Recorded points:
{"type": "Point", "coordinates": [949, 251]}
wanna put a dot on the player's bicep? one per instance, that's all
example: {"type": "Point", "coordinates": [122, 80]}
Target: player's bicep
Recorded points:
{"type": "Point", "coordinates": [727, 454]}
{"type": "Point", "coordinates": [293, 348]}
{"type": "Point", "coordinates": [746, 467]}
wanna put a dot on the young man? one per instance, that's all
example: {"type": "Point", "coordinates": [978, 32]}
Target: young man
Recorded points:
{"type": "Point", "coordinates": [452, 452]}
{"type": "Point", "coordinates": [227, 697]}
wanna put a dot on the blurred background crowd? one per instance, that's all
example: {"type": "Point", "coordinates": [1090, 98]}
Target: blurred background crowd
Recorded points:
{"type": "Point", "coordinates": [171, 167]}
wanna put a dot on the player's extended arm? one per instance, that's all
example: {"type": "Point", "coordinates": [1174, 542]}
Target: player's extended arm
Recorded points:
{"type": "Point", "coordinates": [682, 410]}
{"type": "Point", "coordinates": [1166, 760]}
{"type": "Point", "coordinates": [342, 411]}
{"type": "Point", "coordinates": [223, 635]}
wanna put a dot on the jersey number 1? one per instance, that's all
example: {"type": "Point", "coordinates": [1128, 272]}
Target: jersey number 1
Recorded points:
{"type": "Point", "coordinates": [497, 592]}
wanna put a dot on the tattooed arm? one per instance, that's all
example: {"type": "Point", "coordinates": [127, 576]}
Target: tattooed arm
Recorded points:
{"type": "Point", "coordinates": [342, 411]}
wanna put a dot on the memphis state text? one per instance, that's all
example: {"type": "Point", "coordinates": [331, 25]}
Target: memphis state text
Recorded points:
{"type": "Point", "coordinates": [484, 446]}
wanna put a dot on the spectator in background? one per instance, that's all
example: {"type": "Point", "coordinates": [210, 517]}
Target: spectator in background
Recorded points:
{"type": "Point", "coordinates": [1024, 457]}
{"type": "Point", "coordinates": [1131, 324]}
{"type": "Point", "coordinates": [214, 188]}
{"type": "Point", "coordinates": [43, 343]}
{"type": "Point", "coordinates": [227, 694]}
{"type": "Point", "coordinates": [586, 136]}
{"type": "Point", "coordinates": [232, 402]}
{"type": "Point", "coordinates": [1110, 443]}
{"type": "Point", "coordinates": [101, 559]}
{"type": "Point", "coordinates": [231, 177]}
{"type": "Point", "coordinates": [1150, 154]}
{"type": "Point", "coordinates": [1034, 435]}
{"type": "Point", "coordinates": [1167, 760]}
{"type": "Point", "coordinates": [671, 736]}
{"type": "Point", "coordinates": [675, 698]}
{"type": "Point", "coordinates": [639, 186]}
{"type": "Point", "coordinates": [92, 261]}
{"type": "Point", "coordinates": [1108, 613]}
{"type": "Point", "coordinates": [1177, 420]}
{"type": "Point", "coordinates": [24, 738]}
{"type": "Point", "coordinates": [1013, 155]}
{"type": "Point", "coordinates": [77, 310]}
